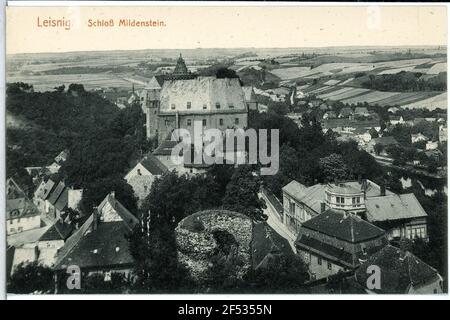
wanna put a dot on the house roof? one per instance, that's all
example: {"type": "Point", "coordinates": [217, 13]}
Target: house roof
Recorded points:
{"type": "Point", "coordinates": [344, 122]}
{"type": "Point", "coordinates": [385, 141]}
{"type": "Point", "coordinates": [180, 68]}
{"type": "Point", "coordinates": [346, 111]}
{"type": "Point", "coordinates": [249, 93]}
{"type": "Point", "coordinates": [63, 199]}
{"type": "Point", "coordinates": [203, 93]}
{"type": "Point", "coordinates": [344, 226]}
{"type": "Point", "coordinates": [58, 231]}
{"type": "Point", "coordinates": [56, 193]}
{"type": "Point", "coordinates": [165, 148]}
{"type": "Point", "coordinates": [44, 189]}
{"type": "Point", "coordinates": [153, 165]}
{"type": "Point", "coordinates": [106, 246]}
{"type": "Point", "coordinates": [311, 196]}
{"type": "Point", "coordinates": [266, 241]}
{"type": "Point", "coordinates": [20, 208]}
{"type": "Point", "coordinates": [399, 270]}
{"type": "Point", "coordinates": [394, 207]}
{"type": "Point", "coordinates": [13, 190]}
{"type": "Point", "coordinates": [361, 110]}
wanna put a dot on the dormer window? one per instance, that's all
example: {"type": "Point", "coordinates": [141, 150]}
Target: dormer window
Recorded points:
{"type": "Point", "coordinates": [217, 105]}
{"type": "Point", "coordinates": [172, 106]}
{"type": "Point", "coordinates": [188, 105]}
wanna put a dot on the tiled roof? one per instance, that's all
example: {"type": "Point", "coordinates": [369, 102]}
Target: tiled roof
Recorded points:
{"type": "Point", "coordinates": [399, 270]}
{"type": "Point", "coordinates": [62, 201]}
{"type": "Point", "coordinates": [361, 110]}
{"type": "Point", "coordinates": [13, 190]}
{"type": "Point", "coordinates": [165, 148]}
{"type": "Point", "coordinates": [311, 196]}
{"type": "Point", "coordinates": [348, 227]}
{"type": "Point", "coordinates": [385, 141]}
{"type": "Point", "coordinates": [106, 246]}
{"type": "Point", "coordinates": [267, 241]}
{"type": "Point", "coordinates": [44, 189]}
{"type": "Point", "coordinates": [203, 93]}
{"type": "Point", "coordinates": [58, 231]}
{"type": "Point", "coordinates": [153, 165]}
{"type": "Point", "coordinates": [20, 208]}
{"type": "Point", "coordinates": [249, 93]}
{"type": "Point", "coordinates": [394, 207]}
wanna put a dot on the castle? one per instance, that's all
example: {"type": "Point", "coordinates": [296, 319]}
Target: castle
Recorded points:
{"type": "Point", "coordinates": [179, 99]}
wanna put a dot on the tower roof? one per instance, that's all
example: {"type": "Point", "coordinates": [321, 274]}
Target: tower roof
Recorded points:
{"type": "Point", "coordinates": [180, 68]}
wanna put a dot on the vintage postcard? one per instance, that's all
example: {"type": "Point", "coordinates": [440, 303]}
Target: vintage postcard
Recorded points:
{"type": "Point", "coordinates": [226, 149]}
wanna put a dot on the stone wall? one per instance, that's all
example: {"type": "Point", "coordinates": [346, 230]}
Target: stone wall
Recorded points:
{"type": "Point", "coordinates": [196, 242]}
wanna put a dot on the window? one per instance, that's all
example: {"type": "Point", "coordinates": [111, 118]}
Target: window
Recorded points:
{"type": "Point", "coordinates": [231, 106]}
{"type": "Point", "coordinates": [204, 106]}
{"type": "Point", "coordinates": [221, 122]}
{"type": "Point", "coordinates": [291, 207]}
{"type": "Point", "coordinates": [10, 221]}
{"type": "Point", "coordinates": [167, 123]}
{"type": "Point", "coordinates": [236, 121]}
{"type": "Point", "coordinates": [172, 106]}
{"type": "Point", "coordinates": [188, 105]}
{"type": "Point", "coordinates": [13, 230]}
{"type": "Point", "coordinates": [145, 188]}
{"type": "Point", "coordinates": [139, 172]}
{"type": "Point", "coordinates": [217, 105]}
{"type": "Point", "coordinates": [319, 261]}
{"type": "Point", "coordinates": [204, 122]}
{"type": "Point", "coordinates": [18, 220]}
{"type": "Point", "coordinates": [188, 122]}
{"type": "Point", "coordinates": [20, 229]}
{"type": "Point", "coordinates": [329, 266]}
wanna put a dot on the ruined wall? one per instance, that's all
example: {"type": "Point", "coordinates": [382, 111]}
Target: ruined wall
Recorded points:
{"type": "Point", "coordinates": [196, 242]}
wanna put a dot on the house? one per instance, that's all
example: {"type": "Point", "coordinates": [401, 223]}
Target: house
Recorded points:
{"type": "Point", "coordinates": [335, 241]}
{"type": "Point", "coordinates": [394, 120]}
{"type": "Point", "coordinates": [345, 126]}
{"type": "Point", "coordinates": [52, 241]}
{"type": "Point", "coordinates": [361, 111]}
{"type": "Point", "coordinates": [142, 175]}
{"type": "Point", "coordinates": [401, 216]}
{"type": "Point", "coordinates": [56, 201]}
{"type": "Point", "coordinates": [432, 145]}
{"type": "Point", "coordinates": [100, 245]}
{"type": "Point", "coordinates": [329, 115]}
{"type": "Point", "coordinates": [386, 141]}
{"type": "Point", "coordinates": [417, 137]}
{"type": "Point", "coordinates": [442, 133]}
{"type": "Point", "coordinates": [23, 255]}
{"type": "Point", "coordinates": [13, 190]}
{"type": "Point", "coordinates": [21, 215]}
{"type": "Point", "coordinates": [324, 107]}
{"type": "Point", "coordinates": [393, 109]}
{"type": "Point", "coordinates": [250, 98]}
{"type": "Point", "coordinates": [346, 112]}
{"type": "Point", "coordinates": [401, 272]}
{"type": "Point", "coordinates": [184, 99]}
{"type": "Point", "coordinates": [58, 191]}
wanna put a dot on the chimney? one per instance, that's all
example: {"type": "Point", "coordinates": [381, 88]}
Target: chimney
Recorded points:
{"type": "Point", "coordinates": [322, 207]}
{"type": "Point", "coordinates": [382, 190]}
{"type": "Point", "coordinates": [113, 194]}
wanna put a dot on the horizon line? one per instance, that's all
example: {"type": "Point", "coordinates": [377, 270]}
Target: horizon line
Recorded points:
{"type": "Point", "coordinates": [234, 48]}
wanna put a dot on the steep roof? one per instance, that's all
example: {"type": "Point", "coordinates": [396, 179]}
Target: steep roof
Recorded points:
{"type": "Point", "coordinates": [153, 165]}
{"type": "Point", "coordinates": [399, 270]}
{"type": "Point", "coordinates": [202, 93]}
{"type": "Point", "coordinates": [394, 207]}
{"type": "Point", "coordinates": [56, 193]}
{"type": "Point", "coordinates": [63, 199]}
{"type": "Point", "coordinates": [249, 93]}
{"type": "Point", "coordinates": [13, 190]}
{"type": "Point", "coordinates": [180, 68]}
{"type": "Point", "coordinates": [20, 208]}
{"type": "Point", "coordinates": [266, 241]}
{"type": "Point", "coordinates": [165, 148]}
{"type": "Point", "coordinates": [44, 189]}
{"type": "Point", "coordinates": [348, 227]}
{"type": "Point", "coordinates": [58, 231]}
{"type": "Point", "coordinates": [105, 246]}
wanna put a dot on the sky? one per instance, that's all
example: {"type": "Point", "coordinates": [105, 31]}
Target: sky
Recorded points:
{"type": "Point", "coordinates": [226, 27]}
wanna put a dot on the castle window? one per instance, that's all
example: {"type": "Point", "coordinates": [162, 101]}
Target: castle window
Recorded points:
{"type": "Point", "coordinates": [329, 266]}
{"type": "Point", "coordinates": [231, 106]}
{"type": "Point", "coordinates": [204, 122]}
{"type": "Point", "coordinates": [221, 122]}
{"type": "Point", "coordinates": [319, 261]}
{"type": "Point", "coordinates": [188, 122]}
{"type": "Point", "coordinates": [204, 106]}
{"type": "Point", "coordinates": [217, 105]}
{"type": "Point", "coordinates": [236, 121]}
{"type": "Point", "coordinates": [172, 106]}
{"type": "Point", "coordinates": [188, 105]}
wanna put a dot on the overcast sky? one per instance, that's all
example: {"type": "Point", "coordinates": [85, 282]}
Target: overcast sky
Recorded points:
{"type": "Point", "coordinates": [227, 27]}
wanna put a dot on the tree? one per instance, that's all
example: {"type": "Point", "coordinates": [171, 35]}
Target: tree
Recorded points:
{"type": "Point", "coordinates": [31, 278]}
{"type": "Point", "coordinates": [283, 273]}
{"type": "Point", "coordinates": [378, 148]}
{"type": "Point", "coordinates": [242, 194]}
{"type": "Point", "coordinates": [333, 167]}
{"type": "Point", "coordinates": [226, 73]}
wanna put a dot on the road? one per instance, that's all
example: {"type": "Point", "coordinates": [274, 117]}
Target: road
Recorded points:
{"type": "Point", "coordinates": [275, 223]}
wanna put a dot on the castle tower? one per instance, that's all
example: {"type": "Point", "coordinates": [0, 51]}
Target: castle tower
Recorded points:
{"type": "Point", "coordinates": [180, 68]}
{"type": "Point", "coordinates": [151, 106]}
